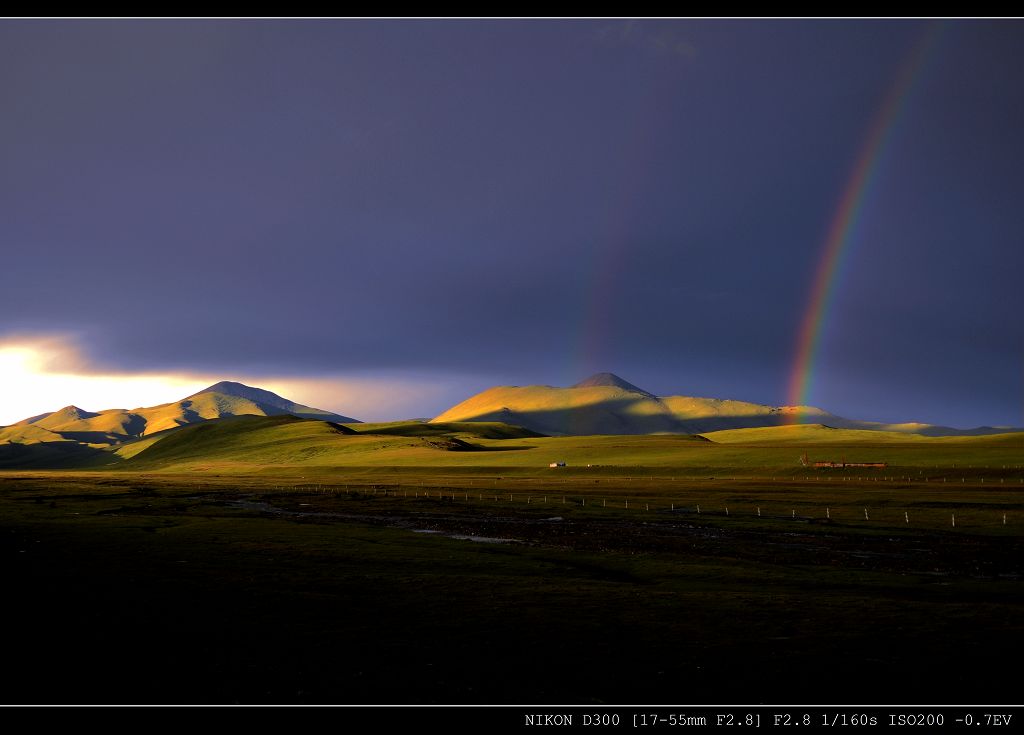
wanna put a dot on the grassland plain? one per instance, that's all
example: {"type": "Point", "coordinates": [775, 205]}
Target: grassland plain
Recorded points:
{"type": "Point", "coordinates": [426, 564]}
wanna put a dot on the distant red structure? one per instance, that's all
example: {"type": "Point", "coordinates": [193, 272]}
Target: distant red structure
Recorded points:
{"type": "Point", "coordinates": [850, 464]}
{"type": "Point", "coordinates": [843, 463]}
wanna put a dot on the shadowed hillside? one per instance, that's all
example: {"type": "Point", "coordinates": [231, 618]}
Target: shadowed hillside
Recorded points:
{"type": "Point", "coordinates": [477, 429]}
{"type": "Point", "coordinates": [607, 404]}
{"type": "Point", "coordinates": [53, 456]}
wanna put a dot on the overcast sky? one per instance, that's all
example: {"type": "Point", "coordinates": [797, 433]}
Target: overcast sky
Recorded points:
{"type": "Point", "coordinates": [458, 204]}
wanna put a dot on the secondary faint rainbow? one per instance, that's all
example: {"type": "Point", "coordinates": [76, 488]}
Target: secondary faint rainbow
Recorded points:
{"type": "Point", "coordinates": [593, 350]}
{"type": "Point", "coordinates": [847, 214]}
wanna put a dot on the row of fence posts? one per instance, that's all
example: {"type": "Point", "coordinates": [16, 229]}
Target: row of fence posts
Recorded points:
{"type": "Point", "coordinates": [583, 502]}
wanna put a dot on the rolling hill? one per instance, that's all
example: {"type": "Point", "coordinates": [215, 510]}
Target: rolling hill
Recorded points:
{"type": "Point", "coordinates": [287, 445]}
{"type": "Point", "coordinates": [254, 443]}
{"type": "Point", "coordinates": [606, 404]}
{"type": "Point", "coordinates": [115, 426]}
{"type": "Point", "coordinates": [806, 434]}
{"type": "Point", "coordinates": [602, 421]}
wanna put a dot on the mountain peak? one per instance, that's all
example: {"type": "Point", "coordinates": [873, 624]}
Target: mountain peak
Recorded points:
{"type": "Point", "coordinates": [265, 398]}
{"type": "Point", "coordinates": [74, 412]}
{"type": "Point", "coordinates": [240, 390]}
{"type": "Point", "coordinates": [228, 387]}
{"type": "Point", "coordinates": [610, 380]}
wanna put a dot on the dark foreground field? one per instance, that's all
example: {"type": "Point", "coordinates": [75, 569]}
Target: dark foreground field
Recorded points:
{"type": "Point", "coordinates": [125, 589]}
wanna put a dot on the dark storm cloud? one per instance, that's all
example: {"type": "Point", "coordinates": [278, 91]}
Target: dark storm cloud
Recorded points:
{"type": "Point", "coordinates": [311, 197]}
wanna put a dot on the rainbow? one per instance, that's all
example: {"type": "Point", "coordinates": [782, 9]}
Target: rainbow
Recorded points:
{"type": "Point", "coordinates": [844, 222]}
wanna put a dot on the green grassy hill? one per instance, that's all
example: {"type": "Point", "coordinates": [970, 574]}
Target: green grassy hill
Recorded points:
{"type": "Point", "coordinates": [813, 434]}
{"type": "Point", "coordinates": [252, 443]}
{"type": "Point", "coordinates": [239, 441]}
{"type": "Point", "coordinates": [288, 444]}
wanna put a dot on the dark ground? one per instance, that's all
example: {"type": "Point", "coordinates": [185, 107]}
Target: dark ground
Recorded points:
{"type": "Point", "coordinates": [132, 593]}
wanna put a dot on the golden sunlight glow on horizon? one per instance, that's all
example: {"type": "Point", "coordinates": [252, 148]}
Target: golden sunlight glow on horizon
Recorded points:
{"type": "Point", "coordinates": [44, 374]}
